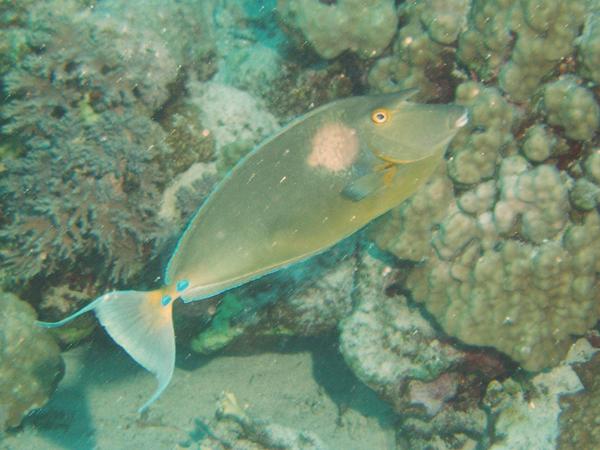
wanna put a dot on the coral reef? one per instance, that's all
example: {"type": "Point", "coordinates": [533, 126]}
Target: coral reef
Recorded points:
{"type": "Point", "coordinates": [474, 156]}
{"type": "Point", "coordinates": [488, 288]}
{"type": "Point", "coordinates": [30, 362]}
{"type": "Point", "coordinates": [422, 55]}
{"type": "Point", "coordinates": [66, 210]}
{"type": "Point", "coordinates": [579, 418]}
{"type": "Point", "coordinates": [333, 27]}
{"type": "Point", "coordinates": [499, 242]}
{"type": "Point", "coordinates": [588, 45]}
{"type": "Point", "coordinates": [249, 58]}
{"type": "Point", "coordinates": [386, 342]}
{"type": "Point", "coordinates": [460, 428]}
{"type": "Point", "coordinates": [230, 114]}
{"type": "Point", "coordinates": [527, 418]}
{"type": "Point", "coordinates": [434, 386]}
{"type": "Point", "coordinates": [520, 42]}
{"type": "Point", "coordinates": [572, 107]}
{"type": "Point", "coordinates": [236, 427]}
{"type": "Point", "coordinates": [93, 161]}
{"type": "Point", "coordinates": [13, 39]}
{"type": "Point", "coordinates": [257, 59]}
{"type": "Point", "coordinates": [526, 414]}
{"type": "Point", "coordinates": [172, 37]}
{"type": "Point", "coordinates": [112, 132]}
{"type": "Point", "coordinates": [538, 144]}
{"type": "Point", "coordinates": [307, 299]}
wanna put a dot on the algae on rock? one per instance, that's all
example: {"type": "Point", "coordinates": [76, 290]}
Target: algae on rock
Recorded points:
{"type": "Point", "coordinates": [30, 362]}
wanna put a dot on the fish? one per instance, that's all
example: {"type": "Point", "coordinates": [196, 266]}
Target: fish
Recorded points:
{"type": "Point", "coordinates": [315, 182]}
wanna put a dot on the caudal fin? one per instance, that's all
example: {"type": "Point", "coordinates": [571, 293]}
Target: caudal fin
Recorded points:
{"type": "Point", "coordinates": [141, 323]}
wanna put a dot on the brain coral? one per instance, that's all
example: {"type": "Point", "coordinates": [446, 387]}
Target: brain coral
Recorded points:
{"type": "Point", "coordinates": [505, 239]}
{"type": "Point", "coordinates": [92, 161]}
{"type": "Point", "coordinates": [30, 362]}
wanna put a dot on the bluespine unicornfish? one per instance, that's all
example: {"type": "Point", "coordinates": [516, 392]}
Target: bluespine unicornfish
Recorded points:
{"type": "Point", "coordinates": [315, 182]}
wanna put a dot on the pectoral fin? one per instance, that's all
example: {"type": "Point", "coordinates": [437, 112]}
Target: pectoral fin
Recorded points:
{"type": "Point", "coordinates": [368, 184]}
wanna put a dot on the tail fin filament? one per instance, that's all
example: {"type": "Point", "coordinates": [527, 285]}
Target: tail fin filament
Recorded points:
{"type": "Point", "coordinates": [141, 323]}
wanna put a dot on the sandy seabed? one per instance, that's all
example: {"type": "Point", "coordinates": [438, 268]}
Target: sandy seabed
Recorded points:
{"type": "Point", "coordinates": [301, 384]}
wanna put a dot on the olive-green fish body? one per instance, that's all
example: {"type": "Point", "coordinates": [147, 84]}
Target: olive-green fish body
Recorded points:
{"type": "Point", "coordinates": [315, 182]}
{"type": "Point", "coordinates": [287, 200]}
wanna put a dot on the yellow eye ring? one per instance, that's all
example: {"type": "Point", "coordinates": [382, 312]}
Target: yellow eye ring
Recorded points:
{"type": "Point", "coordinates": [380, 116]}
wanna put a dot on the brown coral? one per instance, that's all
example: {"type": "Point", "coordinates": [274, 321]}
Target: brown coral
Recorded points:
{"type": "Point", "coordinates": [30, 362]}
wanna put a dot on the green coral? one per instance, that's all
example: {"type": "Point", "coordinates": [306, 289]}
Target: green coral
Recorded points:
{"type": "Point", "coordinates": [572, 107]}
{"type": "Point", "coordinates": [223, 328]}
{"type": "Point", "coordinates": [588, 45]}
{"type": "Point", "coordinates": [365, 28]}
{"type": "Point", "coordinates": [520, 42]}
{"type": "Point", "coordinates": [488, 136]}
{"type": "Point", "coordinates": [592, 166]}
{"type": "Point", "coordinates": [585, 195]}
{"type": "Point", "coordinates": [488, 288]}
{"type": "Point", "coordinates": [546, 32]}
{"type": "Point", "coordinates": [444, 19]}
{"type": "Point", "coordinates": [539, 143]}
{"type": "Point", "coordinates": [485, 45]}
{"type": "Point", "coordinates": [422, 54]}
{"type": "Point", "coordinates": [429, 201]}
{"type": "Point", "coordinates": [504, 248]}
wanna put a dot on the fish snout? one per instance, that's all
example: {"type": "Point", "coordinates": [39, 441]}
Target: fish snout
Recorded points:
{"type": "Point", "coordinates": [458, 117]}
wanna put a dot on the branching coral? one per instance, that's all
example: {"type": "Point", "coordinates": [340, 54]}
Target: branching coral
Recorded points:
{"type": "Point", "coordinates": [88, 194]}
{"type": "Point", "coordinates": [94, 163]}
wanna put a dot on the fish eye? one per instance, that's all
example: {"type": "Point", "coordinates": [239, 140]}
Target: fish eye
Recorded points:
{"type": "Point", "coordinates": [380, 116]}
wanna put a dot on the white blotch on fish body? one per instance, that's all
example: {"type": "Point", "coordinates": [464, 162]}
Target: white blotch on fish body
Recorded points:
{"type": "Point", "coordinates": [334, 147]}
